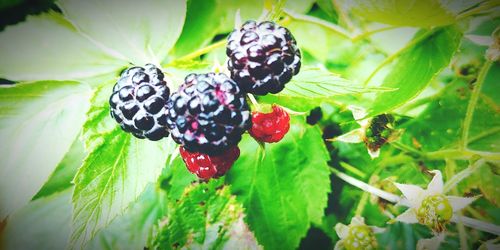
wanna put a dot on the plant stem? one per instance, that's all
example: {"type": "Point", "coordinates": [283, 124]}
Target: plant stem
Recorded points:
{"type": "Point", "coordinates": [453, 181]}
{"type": "Point", "coordinates": [488, 5]}
{"type": "Point", "coordinates": [371, 32]}
{"type": "Point", "coordinates": [202, 51]}
{"type": "Point", "coordinates": [473, 101]}
{"type": "Point", "coordinates": [352, 169]}
{"type": "Point", "coordinates": [254, 102]}
{"type": "Point", "coordinates": [450, 173]}
{"type": "Point", "coordinates": [398, 53]}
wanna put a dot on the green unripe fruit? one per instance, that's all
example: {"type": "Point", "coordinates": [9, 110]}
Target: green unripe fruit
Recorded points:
{"type": "Point", "coordinates": [435, 212]}
{"type": "Point", "coordinates": [360, 237]}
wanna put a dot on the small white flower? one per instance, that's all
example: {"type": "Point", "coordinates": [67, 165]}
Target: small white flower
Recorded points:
{"type": "Point", "coordinates": [432, 243]}
{"type": "Point", "coordinates": [356, 235]}
{"type": "Point", "coordinates": [364, 133]}
{"type": "Point", "coordinates": [431, 207]}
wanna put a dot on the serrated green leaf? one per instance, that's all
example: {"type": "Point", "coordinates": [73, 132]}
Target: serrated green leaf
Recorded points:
{"type": "Point", "coordinates": [418, 13]}
{"type": "Point", "coordinates": [283, 189]}
{"type": "Point", "coordinates": [38, 123]}
{"type": "Point", "coordinates": [133, 229]}
{"type": "Point", "coordinates": [115, 172]}
{"type": "Point", "coordinates": [59, 53]}
{"type": "Point", "coordinates": [42, 224]}
{"type": "Point", "coordinates": [62, 177]}
{"type": "Point", "coordinates": [416, 67]}
{"type": "Point", "coordinates": [318, 83]}
{"type": "Point", "coordinates": [137, 32]}
{"type": "Point", "coordinates": [177, 178]}
{"type": "Point", "coordinates": [204, 218]}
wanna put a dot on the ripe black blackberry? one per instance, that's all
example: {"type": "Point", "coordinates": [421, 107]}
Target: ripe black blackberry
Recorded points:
{"type": "Point", "coordinates": [263, 57]}
{"type": "Point", "coordinates": [138, 102]}
{"type": "Point", "coordinates": [208, 113]}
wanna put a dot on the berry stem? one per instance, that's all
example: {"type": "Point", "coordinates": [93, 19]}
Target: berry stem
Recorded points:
{"type": "Point", "coordinates": [254, 102]}
{"type": "Point", "coordinates": [473, 101]}
{"type": "Point", "coordinates": [202, 51]}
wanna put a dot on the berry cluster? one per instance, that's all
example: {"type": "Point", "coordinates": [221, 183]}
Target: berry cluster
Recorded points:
{"type": "Point", "coordinates": [208, 114]}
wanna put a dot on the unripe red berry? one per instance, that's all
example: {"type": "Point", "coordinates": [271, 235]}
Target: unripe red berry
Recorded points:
{"type": "Point", "coordinates": [270, 127]}
{"type": "Point", "coordinates": [206, 166]}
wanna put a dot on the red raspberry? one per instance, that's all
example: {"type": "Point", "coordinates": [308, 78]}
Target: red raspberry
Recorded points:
{"type": "Point", "coordinates": [270, 127]}
{"type": "Point", "coordinates": [206, 166]}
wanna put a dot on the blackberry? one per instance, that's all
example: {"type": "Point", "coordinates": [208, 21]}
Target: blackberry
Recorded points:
{"type": "Point", "coordinates": [138, 102]}
{"type": "Point", "coordinates": [208, 113]}
{"type": "Point", "coordinates": [263, 57]}
{"type": "Point", "coordinates": [206, 166]}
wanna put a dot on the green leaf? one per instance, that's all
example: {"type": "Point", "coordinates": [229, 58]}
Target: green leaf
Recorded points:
{"type": "Point", "coordinates": [416, 67]}
{"type": "Point", "coordinates": [206, 217]}
{"type": "Point", "coordinates": [47, 47]}
{"type": "Point", "coordinates": [318, 83]}
{"type": "Point", "coordinates": [299, 6]}
{"type": "Point", "coordinates": [177, 178]}
{"type": "Point", "coordinates": [284, 188]}
{"type": "Point", "coordinates": [418, 13]}
{"type": "Point", "coordinates": [133, 229]}
{"type": "Point", "coordinates": [62, 177]}
{"type": "Point", "coordinates": [203, 20]}
{"type": "Point", "coordinates": [38, 123]}
{"type": "Point", "coordinates": [115, 172]}
{"type": "Point", "coordinates": [137, 32]}
{"type": "Point", "coordinates": [41, 224]}
{"type": "Point", "coordinates": [249, 10]}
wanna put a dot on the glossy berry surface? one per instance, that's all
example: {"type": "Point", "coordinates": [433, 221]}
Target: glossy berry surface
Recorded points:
{"type": "Point", "coordinates": [208, 113]}
{"type": "Point", "coordinates": [138, 102]}
{"type": "Point", "coordinates": [263, 57]}
{"type": "Point", "coordinates": [206, 166]}
{"type": "Point", "coordinates": [270, 127]}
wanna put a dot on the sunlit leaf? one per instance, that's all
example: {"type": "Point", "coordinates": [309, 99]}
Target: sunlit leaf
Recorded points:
{"type": "Point", "coordinates": [47, 47]}
{"type": "Point", "coordinates": [38, 123]}
{"type": "Point", "coordinates": [416, 67]}
{"type": "Point", "coordinates": [137, 32]}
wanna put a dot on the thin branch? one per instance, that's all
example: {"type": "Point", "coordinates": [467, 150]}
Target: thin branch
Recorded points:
{"type": "Point", "coordinates": [473, 101]}
{"type": "Point", "coordinates": [202, 51]}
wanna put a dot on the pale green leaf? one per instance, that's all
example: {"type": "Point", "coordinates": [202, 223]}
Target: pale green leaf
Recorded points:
{"type": "Point", "coordinates": [64, 173]}
{"type": "Point", "coordinates": [38, 123]}
{"type": "Point", "coordinates": [206, 217]}
{"type": "Point", "coordinates": [418, 13]}
{"type": "Point", "coordinates": [283, 189]}
{"type": "Point", "coordinates": [133, 229]}
{"type": "Point", "coordinates": [416, 67]}
{"type": "Point", "coordinates": [43, 224]}
{"type": "Point", "coordinates": [47, 47]}
{"type": "Point", "coordinates": [318, 83]}
{"type": "Point", "coordinates": [115, 172]}
{"type": "Point", "coordinates": [137, 32]}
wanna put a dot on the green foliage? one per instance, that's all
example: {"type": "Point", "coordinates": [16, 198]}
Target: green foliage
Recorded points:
{"type": "Point", "coordinates": [204, 217]}
{"type": "Point", "coordinates": [41, 120]}
{"type": "Point", "coordinates": [271, 184]}
{"type": "Point", "coordinates": [71, 178]}
{"type": "Point", "coordinates": [430, 54]}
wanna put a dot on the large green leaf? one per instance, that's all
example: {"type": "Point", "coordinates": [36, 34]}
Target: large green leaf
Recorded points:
{"type": "Point", "coordinates": [203, 20]}
{"type": "Point", "coordinates": [115, 172]}
{"type": "Point", "coordinates": [47, 47]}
{"type": "Point", "coordinates": [62, 177]}
{"type": "Point", "coordinates": [138, 32]}
{"type": "Point", "coordinates": [133, 229]}
{"type": "Point", "coordinates": [38, 123]}
{"type": "Point", "coordinates": [419, 13]}
{"type": "Point", "coordinates": [284, 188]}
{"type": "Point", "coordinates": [416, 67]}
{"type": "Point", "coordinates": [206, 217]}
{"type": "Point", "coordinates": [42, 224]}
{"type": "Point", "coordinates": [318, 83]}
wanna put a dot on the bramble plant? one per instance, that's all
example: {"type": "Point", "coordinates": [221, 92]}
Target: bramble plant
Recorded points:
{"type": "Point", "coordinates": [268, 124]}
